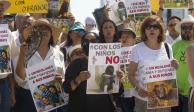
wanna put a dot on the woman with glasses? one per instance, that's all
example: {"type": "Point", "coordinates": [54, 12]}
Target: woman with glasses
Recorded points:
{"type": "Point", "coordinates": [150, 49]}
{"type": "Point", "coordinates": [74, 37]}
{"type": "Point", "coordinates": [46, 50]}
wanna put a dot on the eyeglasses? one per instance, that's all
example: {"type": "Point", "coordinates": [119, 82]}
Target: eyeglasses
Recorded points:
{"type": "Point", "coordinates": [187, 27]}
{"type": "Point", "coordinates": [154, 26]}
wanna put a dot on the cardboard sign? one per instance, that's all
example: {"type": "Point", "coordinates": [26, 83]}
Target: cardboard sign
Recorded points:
{"type": "Point", "coordinates": [28, 6]}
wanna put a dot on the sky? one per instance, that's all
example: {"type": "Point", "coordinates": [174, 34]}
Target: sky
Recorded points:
{"type": "Point", "coordinates": [83, 8]}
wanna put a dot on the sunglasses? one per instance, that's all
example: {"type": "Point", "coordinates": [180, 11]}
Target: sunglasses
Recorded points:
{"type": "Point", "coordinates": [154, 26]}
{"type": "Point", "coordinates": [187, 27]}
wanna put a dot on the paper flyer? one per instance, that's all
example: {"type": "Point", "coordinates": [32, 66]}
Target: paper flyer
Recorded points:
{"type": "Point", "coordinates": [160, 79]}
{"type": "Point", "coordinates": [103, 63]}
{"type": "Point", "coordinates": [5, 59]}
{"type": "Point", "coordinates": [46, 92]}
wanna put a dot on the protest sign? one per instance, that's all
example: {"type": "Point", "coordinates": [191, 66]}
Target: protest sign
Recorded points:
{"type": "Point", "coordinates": [160, 80]}
{"type": "Point", "coordinates": [58, 9]}
{"type": "Point", "coordinates": [135, 21]}
{"type": "Point", "coordinates": [5, 59]}
{"type": "Point", "coordinates": [104, 60]}
{"type": "Point", "coordinates": [62, 24]}
{"type": "Point", "coordinates": [138, 6]}
{"type": "Point", "coordinates": [172, 4]}
{"type": "Point", "coordinates": [125, 59]}
{"type": "Point", "coordinates": [46, 92]}
{"type": "Point", "coordinates": [28, 6]}
{"type": "Point", "coordinates": [154, 5]}
{"type": "Point", "coordinates": [118, 11]}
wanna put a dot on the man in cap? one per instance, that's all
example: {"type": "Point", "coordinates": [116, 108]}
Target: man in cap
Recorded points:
{"type": "Point", "coordinates": [185, 28]}
{"type": "Point", "coordinates": [6, 90]}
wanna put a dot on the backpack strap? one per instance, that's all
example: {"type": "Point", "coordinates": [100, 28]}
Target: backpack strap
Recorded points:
{"type": "Point", "coordinates": [167, 50]}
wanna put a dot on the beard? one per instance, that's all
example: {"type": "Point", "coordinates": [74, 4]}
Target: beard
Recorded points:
{"type": "Point", "coordinates": [187, 35]}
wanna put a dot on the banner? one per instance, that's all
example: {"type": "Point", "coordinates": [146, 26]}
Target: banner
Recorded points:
{"type": "Point", "coordinates": [5, 59]}
{"type": "Point", "coordinates": [171, 4]}
{"type": "Point", "coordinates": [160, 80]}
{"type": "Point", "coordinates": [28, 6]}
{"type": "Point", "coordinates": [104, 60]}
{"type": "Point", "coordinates": [46, 92]}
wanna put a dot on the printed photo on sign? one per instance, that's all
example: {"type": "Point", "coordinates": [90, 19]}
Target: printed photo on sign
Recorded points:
{"type": "Point", "coordinates": [118, 11]}
{"type": "Point", "coordinates": [58, 9]}
{"type": "Point", "coordinates": [48, 96]}
{"type": "Point", "coordinates": [62, 24]}
{"type": "Point", "coordinates": [46, 92]}
{"type": "Point", "coordinates": [171, 4]}
{"type": "Point", "coordinates": [105, 80]}
{"type": "Point", "coordinates": [5, 59]}
{"type": "Point", "coordinates": [165, 94]}
{"type": "Point", "coordinates": [160, 79]}
{"type": "Point", "coordinates": [5, 63]}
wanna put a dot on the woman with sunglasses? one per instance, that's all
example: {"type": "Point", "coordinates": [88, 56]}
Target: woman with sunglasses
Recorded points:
{"type": "Point", "coordinates": [46, 50]}
{"type": "Point", "coordinates": [151, 48]}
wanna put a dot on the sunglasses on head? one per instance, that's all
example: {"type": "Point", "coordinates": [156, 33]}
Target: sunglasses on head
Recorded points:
{"type": "Point", "coordinates": [154, 26]}
{"type": "Point", "coordinates": [185, 27]}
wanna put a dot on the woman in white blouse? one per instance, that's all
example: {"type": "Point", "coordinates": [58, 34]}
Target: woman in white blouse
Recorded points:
{"type": "Point", "coordinates": [46, 51]}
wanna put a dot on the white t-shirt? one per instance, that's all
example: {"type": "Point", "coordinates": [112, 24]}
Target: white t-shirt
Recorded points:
{"type": "Point", "coordinates": [53, 53]}
{"type": "Point", "coordinates": [142, 53]}
{"type": "Point", "coordinates": [170, 40]}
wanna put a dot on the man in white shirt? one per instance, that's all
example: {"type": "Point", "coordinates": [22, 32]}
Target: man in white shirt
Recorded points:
{"type": "Point", "coordinates": [22, 21]}
{"type": "Point", "coordinates": [172, 35]}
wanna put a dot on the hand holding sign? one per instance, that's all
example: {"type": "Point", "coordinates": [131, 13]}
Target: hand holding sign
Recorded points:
{"type": "Point", "coordinates": [83, 76]}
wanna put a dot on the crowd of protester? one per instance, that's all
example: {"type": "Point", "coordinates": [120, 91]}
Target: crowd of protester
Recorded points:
{"type": "Point", "coordinates": [70, 49]}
